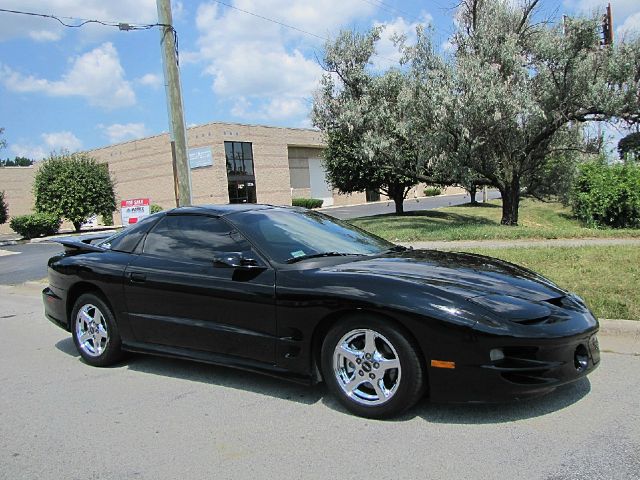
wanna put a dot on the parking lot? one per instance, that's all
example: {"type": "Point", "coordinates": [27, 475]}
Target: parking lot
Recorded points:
{"type": "Point", "coordinates": [153, 418]}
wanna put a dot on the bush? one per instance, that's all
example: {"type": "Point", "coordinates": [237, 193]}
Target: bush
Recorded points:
{"type": "Point", "coordinates": [155, 208]}
{"type": "Point", "coordinates": [35, 225]}
{"type": "Point", "coordinates": [107, 219]}
{"type": "Point", "coordinates": [607, 195]}
{"type": "Point", "coordinates": [307, 202]}
{"type": "Point", "coordinates": [4, 209]}
{"type": "Point", "coordinates": [432, 191]}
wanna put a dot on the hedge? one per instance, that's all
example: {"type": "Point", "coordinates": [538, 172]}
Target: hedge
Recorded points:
{"type": "Point", "coordinates": [432, 191]}
{"type": "Point", "coordinates": [35, 225]}
{"type": "Point", "coordinates": [307, 202]}
{"type": "Point", "coordinates": [607, 195]}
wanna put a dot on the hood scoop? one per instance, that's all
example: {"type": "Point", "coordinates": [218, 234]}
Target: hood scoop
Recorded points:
{"type": "Point", "coordinates": [514, 309]}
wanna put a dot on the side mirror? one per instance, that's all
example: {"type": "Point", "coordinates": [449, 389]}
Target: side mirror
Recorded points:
{"type": "Point", "coordinates": [238, 261]}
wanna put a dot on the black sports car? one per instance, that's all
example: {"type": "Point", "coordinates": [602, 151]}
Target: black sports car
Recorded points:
{"type": "Point", "coordinates": [301, 295]}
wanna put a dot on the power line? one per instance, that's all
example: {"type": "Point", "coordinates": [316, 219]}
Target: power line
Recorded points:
{"type": "Point", "coordinates": [83, 21]}
{"type": "Point", "coordinates": [271, 20]}
{"type": "Point", "coordinates": [123, 26]}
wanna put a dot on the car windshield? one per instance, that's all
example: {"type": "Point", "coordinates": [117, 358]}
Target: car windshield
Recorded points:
{"type": "Point", "coordinates": [292, 235]}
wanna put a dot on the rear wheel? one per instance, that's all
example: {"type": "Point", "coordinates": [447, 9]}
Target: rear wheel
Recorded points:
{"type": "Point", "coordinates": [94, 331]}
{"type": "Point", "coordinates": [372, 367]}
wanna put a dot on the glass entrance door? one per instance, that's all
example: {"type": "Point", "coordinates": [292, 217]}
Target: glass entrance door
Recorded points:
{"type": "Point", "coordinates": [240, 173]}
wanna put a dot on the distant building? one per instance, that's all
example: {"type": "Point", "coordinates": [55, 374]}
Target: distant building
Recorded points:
{"type": "Point", "coordinates": [230, 163]}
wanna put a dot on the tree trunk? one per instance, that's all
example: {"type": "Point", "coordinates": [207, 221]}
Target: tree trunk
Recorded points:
{"type": "Point", "coordinates": [398, 199]}
{"type": "Point", "coordinates": [510, 202]}
{"type": "Point", "coordinates": [472, 193]}
{"type": "Point", "coordinates": [77, 226]}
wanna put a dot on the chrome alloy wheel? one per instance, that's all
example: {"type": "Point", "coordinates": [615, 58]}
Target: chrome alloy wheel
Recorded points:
{"type": "Point", "coordinates": [367, 367]}
{"type": "Point", "coordinates": [91, 330]}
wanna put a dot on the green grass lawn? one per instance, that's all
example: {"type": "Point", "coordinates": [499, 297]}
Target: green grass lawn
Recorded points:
{"type": "Point", "coordinates": [608, 278]}
{"type": "Point", "coordinates": [537, 220]}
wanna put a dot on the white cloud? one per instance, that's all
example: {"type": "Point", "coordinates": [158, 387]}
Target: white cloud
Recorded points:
{"type": "Point", "coordinates": [152, 80]}
{"type": "Point", "coordinates": [265, 68]}
{"type": "Point", "coordinates": [630, 27]}
{"type": "Point", "coordinates": [621, 8]}
{"type": "Point", "coordinates": [62, 141]}
{"type": "Point", "coordinates": [96, 75]}
{"type": "Point", "coordinates": [42, 29]}
{"type": "Point", "coordinates": [51, 142]}
{"type": "Point", "coordinates": [119, 132]}
{"type": "Point", "coordinates": [388, 54]}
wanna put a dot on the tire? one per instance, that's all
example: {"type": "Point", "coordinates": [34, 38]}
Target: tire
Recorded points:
{"type": "Point", "coordinates": [372, 366]}
{"type": "Point", "coordinates": [95, 332]}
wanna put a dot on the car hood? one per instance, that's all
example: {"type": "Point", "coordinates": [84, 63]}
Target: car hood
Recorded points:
{"type": "Point", "coordinates": [463, 274]}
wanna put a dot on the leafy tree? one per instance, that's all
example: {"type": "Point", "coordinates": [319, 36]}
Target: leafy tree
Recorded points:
{"type": "Point", "coordinates": [74, 186]}
{"type": "Point", "coordinates": [4, 208]}
{"type": "Point", "coordinates": [16, 162]}
{"type": "Point", "coordinates": [372, 139]}
{"type": "Point", "coordinates": [629, 146]}
{"type": "Point", "coordinates": [518, 84]}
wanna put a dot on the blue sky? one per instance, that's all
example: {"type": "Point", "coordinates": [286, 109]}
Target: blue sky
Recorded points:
{"type": "Point", "coordinates": [81, 88]}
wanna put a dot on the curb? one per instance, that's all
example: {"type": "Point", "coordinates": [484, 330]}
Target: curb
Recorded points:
{"type": "Point", "coordinates": [620, 328]}
{"type": "Point", "coordinates": [8, 243]}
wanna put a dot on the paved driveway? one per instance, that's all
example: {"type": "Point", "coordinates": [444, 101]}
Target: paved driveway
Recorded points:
{"type": "Point", "coordinates": [155, 418]}
{"type": "Point", "coordinates": [25, 262]}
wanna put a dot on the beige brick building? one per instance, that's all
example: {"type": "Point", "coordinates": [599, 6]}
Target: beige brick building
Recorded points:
{"type": "Point", "coordinates": [230, 163]}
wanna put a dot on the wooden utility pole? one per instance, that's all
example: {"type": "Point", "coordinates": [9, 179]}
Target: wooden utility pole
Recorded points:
{"type": "Point", "coordinates": [177, 129]}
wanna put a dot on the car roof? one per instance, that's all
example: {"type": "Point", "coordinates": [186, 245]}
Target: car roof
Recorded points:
{"type": "Point", "coordinates": [221, 210]}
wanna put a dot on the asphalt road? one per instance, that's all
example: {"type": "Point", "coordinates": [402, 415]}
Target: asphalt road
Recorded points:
{"type": "Point", "coordinates": [410, 205]}
{"type": "Point", "coordinates": [25, 262]}
{"type": "Point", "coordinates": [155, 418]}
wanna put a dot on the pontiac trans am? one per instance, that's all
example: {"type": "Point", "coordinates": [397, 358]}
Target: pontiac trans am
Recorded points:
{"type": "Point", "coordinates": [300, 295]}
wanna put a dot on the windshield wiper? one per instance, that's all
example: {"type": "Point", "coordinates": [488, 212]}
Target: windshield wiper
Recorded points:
{"type": "Point", "coordinates": [318, 255]}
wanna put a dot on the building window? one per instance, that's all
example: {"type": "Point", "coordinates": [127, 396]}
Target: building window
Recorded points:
{"type": "Point", "coordinates": [240, 173]}
{"type": "Point", "coordinates": [239, 158]}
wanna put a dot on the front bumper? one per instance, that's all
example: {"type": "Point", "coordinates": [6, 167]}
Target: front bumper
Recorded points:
{"type": "Point", "coordinates": [530, 367]}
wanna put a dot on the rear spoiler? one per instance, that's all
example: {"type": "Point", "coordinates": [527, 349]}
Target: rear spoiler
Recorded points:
{"type": "Point", "coordinates": [84, 243]}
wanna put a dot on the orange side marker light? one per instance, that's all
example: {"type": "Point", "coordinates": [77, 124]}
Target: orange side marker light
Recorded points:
{"type": "Point", "coordinates": [443, 364]}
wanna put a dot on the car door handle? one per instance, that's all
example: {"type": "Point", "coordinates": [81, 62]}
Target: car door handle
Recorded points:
{"type": "Point", "coordinates": [137, 277]}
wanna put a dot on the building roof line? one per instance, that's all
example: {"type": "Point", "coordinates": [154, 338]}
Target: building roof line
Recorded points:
{"type": "Point", "coordinates": [231, 124]}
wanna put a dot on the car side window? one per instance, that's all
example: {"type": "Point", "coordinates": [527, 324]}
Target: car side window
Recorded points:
{"type": "Point", "coordinates": [194, 238]}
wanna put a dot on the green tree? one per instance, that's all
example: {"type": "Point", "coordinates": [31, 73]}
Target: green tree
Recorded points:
{"type": "Point", "coordinates": [629, 146]}
{"type": "Point", "coordinates": [517, 84]}
{"type": "Point", "coordinates": [4, 208]}
{"type": "Point", "coordinates": [74, 186]}
{"type": "Point", "coordinates": [372, 139]}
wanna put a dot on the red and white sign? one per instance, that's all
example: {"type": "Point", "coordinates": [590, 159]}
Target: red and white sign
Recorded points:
{"type": "Point", "coordinates": [134, 209]}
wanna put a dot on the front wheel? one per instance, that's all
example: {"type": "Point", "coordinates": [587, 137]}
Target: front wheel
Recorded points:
{"type": "Point", "coordinates": [372, 367]}
{"type": "Point", "coordinates": [94, 331]}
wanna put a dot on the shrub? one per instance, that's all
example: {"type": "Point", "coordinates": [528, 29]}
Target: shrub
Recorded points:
{"type": "Point", "coordinates": [107, 219]}
{"type": "Point", "coordinates": [155, 208]}
{"type": "Point", "coordinates": [607, 195]}
{"type": "Point", "coordinates": [4, 209]}
{"type": "Point", "coordinates": [432, 191]}
{"type": "Point", "coordinates": [35, 225]}
{"type": "Point", "coordinates": [307, 202]}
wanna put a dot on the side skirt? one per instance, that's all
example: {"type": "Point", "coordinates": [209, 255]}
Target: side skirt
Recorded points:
{"type": "Point", "coordinates": [217, 359]}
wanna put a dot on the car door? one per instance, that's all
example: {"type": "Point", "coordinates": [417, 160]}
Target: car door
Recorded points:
{"type": "Point", "coordinates": [177, 296]}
